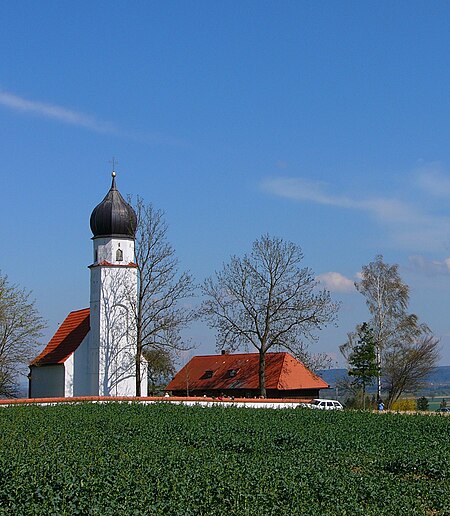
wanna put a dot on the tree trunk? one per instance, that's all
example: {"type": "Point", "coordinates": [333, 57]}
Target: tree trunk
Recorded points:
{"type": "Point", "coordinates": [364, 395]}
{"type": "Point", "coordinates": [378, 359]}
{"type": "Point", "coordinates": [138, 373]}
{"type": "Point", "coordinates": [393, 396]}
{"type": "Point", "coordinates": [138, 354]}
{"type": "Point", "coordinates": [262, 373]}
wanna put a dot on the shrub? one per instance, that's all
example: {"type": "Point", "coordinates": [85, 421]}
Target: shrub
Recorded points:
{"type": "Point", "coordinates": [404, 405]}
{"type": "Point", "coordinates": [422, 403]}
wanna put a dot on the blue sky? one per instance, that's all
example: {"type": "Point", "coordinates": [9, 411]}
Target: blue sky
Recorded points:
{"type": "Point", "coordinates": [324, 123]}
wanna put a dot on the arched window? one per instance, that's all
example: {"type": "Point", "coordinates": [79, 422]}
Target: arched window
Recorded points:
{"type": "Point", "coordinates": [119, 255]}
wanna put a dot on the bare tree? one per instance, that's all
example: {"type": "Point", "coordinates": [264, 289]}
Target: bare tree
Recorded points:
{"type": "Point", "coordinates": [350, 392]}
{"type": "Point", "coordinates": [160, 367]}
{"type": "Point", "coordinates": [159, 310]}
{"type": "Point", "coordinates": [316, 361]}
{"type": "Point", "coordinates": [21, 327]}
{"type": "Point", "coordinates": [387, 299]}
{"type": "Point", "coordinates": [267, 301]}
{"type": "Point", "coordinates": [407, 364]}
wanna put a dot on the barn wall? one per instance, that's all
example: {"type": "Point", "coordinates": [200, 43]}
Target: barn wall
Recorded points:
{"type": "Point", "coordinates": [47, 381]}
{"type": "Point", "coordinates": [252, 393]}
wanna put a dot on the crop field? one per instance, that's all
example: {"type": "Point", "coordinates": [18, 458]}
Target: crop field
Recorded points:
{"type": "Point", "coordinates": [131, 459]}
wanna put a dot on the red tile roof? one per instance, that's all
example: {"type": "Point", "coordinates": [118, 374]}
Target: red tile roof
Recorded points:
{"type": "Point", "coordinates": [67, 338]}
{"type": "Point", "coordinates": [105, 263]}
{"type": "Point", "coordinates": [283, 372]}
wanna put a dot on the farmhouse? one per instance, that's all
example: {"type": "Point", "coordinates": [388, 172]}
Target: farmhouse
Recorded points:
{"type": "Point", "coordinates": [237, 375]}
{"type": "Point", "coordinates": [93, 351]}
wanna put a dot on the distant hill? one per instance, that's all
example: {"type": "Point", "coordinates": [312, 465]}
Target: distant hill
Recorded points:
{"type": "Point", "coordinates": [440, 376]}
{"type": "Point", "coordinates": [438, 381]}
{"type": "Point", "coordinates": [332, 375]}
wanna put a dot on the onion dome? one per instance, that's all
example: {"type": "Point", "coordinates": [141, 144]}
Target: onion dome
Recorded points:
{"type": "Point", "coordinates": [113, 216]}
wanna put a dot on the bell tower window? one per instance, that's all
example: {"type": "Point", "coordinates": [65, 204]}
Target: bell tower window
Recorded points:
{"type": "Point", "coordinates": [119, 255]}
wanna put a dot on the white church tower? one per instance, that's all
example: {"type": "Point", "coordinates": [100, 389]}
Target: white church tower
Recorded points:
{"type": "Point", "coordinates": [93, 352]}
{"type": "Point", "coordinates": [112, 336]}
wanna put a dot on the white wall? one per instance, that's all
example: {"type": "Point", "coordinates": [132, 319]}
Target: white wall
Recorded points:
{"type": "Point", "coordinates": [106, 249]}
{"type": "Point", "coordinates": [112, 342]}
{"type": "Point", "coordinates": [68, 377]}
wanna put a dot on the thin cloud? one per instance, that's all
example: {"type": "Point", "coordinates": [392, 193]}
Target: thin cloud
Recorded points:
{"type": "Point", "coordinates": [433, 180]}
{"type": "Point", "coordinates": [407, 225]}
{"type": "Point", "coordinates": [302, 190]}
{"type": "Point", "coordinates": [55, 112]}
{"type": "Point", "coordinates": [76, 118]}
{"type": "Point", "coordinates": [419, 263]}
{"type": "Point", "coordinates": [336, 282]}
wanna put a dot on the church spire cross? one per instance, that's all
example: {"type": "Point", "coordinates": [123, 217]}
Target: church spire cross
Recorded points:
{"type": "Point", "coordinates": [113, 162]}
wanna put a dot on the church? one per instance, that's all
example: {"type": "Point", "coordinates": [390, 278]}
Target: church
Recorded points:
{"type": "Point", "coordinates": [93, 352]}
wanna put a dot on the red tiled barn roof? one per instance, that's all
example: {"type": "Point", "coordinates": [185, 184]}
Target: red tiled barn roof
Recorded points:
{"type": "Point", "coordinates": [66, 339]}
{"type": "Point", "coordinates": [283, 372]}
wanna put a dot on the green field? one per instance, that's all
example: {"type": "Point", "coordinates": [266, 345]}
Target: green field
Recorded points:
{"type": "Point", "coordinates": [175, 460]}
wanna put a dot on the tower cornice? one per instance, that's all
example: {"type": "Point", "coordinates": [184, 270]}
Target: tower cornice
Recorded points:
{"type": "Point", "coordinates": [104, 263]}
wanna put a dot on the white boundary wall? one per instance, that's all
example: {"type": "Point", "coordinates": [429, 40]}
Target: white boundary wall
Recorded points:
{"type": "Point", "coordinates": [191, 403]}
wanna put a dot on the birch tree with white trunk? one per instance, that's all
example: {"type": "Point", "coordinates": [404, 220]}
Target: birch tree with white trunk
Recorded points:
{"type": "Point", "coordinates": [387, 299]}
